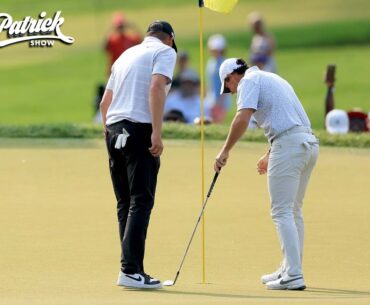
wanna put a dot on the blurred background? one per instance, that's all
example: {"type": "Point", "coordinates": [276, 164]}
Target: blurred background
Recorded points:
{"type": "Point", "coordinates": [59, 84]}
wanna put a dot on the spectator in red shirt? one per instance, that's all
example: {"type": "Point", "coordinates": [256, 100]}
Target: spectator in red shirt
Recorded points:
{"type": "Point", "coordinates": [124, 36]}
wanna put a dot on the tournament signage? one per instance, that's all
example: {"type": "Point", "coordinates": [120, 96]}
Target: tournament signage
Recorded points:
{"type": "Point", "coordinates": [41, 32]}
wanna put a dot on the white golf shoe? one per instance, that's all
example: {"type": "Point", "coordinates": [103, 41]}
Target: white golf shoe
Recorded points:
{"type": "Point", "coordinates": [272, 276]}
{"type": "Point", "coordinates": [138, 280]}
{"type": "Point", "coordinates": [287, 283]}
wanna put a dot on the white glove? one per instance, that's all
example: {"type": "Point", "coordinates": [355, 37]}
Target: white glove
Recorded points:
{"type": "Point", "coordinates": [121, 139]}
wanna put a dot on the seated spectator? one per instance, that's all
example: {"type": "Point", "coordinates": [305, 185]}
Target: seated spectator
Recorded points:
{"type": "Point", "coordinates": [174, 116]}
{"type": "Point", "coordinates": [357, 120]}
{"type": "Point", "coordinates": [183, 105]}
{"type": "Point", "coordinates": [219, 104]}
{"type": "Point", "coordinates": [181, 66]}
{"type": "Point", "coordinates": [99, 95]}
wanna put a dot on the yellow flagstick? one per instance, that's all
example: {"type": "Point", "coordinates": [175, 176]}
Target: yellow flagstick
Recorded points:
{"type": "Point", "coordinates": [202, 133]}
{"type": "Point", "coordinates": [221, 6]}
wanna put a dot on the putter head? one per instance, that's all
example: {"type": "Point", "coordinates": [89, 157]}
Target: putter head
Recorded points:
{"type": "Point", "coordinates": [168, 283]}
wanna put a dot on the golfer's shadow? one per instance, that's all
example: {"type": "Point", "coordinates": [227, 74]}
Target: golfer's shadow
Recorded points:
{"type": "Point", "coordinates": [338, 291]}
{"type": "Point", "coordinates": [309, 293]}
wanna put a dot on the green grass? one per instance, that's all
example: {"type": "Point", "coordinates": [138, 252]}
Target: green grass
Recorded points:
{"type": "Point", "coordinates": [62, 90]}
{"type": "Point", "coordinates": [170, 131]}
{"type": "Point", "coordinates": [315, 35]}
{"type": "Point", "coordinates": [57, 85]}
{"type": "Point", "coordinates": [59, 242]}
{"type": "Point", "coordinates": [86, 6]}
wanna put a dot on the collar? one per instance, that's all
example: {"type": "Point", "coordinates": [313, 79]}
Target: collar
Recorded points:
{"type": "Point", "coordinates": [152, 39]}
{"type": "Point", "coordinates": [252, 69]}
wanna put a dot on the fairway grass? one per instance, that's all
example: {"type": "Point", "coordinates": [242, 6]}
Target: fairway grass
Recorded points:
{"type": "Point", "coordinates": [59, 237]}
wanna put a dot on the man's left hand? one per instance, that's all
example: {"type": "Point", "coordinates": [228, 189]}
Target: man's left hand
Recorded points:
{"type": "Point", "coordinates": [157, 146]}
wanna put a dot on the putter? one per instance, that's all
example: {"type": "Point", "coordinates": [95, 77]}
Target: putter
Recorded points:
{"type": "Point", "coordinates": [170, 282]}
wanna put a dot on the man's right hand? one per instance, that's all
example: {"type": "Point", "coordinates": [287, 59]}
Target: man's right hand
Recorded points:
{"type": "Point", "coordinates": [157, 146]}
{"type": "Point", "coordinates": [221, 160]}
{"type": "Point", "coordinates": [262, 164]}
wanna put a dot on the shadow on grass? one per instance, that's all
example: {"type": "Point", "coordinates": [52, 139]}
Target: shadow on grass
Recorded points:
{"type": "Point", "coordinates": [338, 291]}
{"type": "Point", "coordinates": [309, 293]}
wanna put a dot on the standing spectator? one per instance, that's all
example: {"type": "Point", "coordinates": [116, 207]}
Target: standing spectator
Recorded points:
{"type": "Point", "coordinates": [217, 104]}
{"type": "Point", "coordinates": [120, 39]}
{"type": "Point", "coordinates": [262, 46]}
{"type": "Point", "coordinates": [132, 112]}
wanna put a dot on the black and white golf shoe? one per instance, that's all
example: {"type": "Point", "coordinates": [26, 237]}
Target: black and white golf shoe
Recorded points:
{"type": "Point", "coordinates": [138, 280]}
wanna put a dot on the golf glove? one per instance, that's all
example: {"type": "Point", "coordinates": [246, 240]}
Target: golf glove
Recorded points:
{"type": "Point", "coordinates": [121, 139]}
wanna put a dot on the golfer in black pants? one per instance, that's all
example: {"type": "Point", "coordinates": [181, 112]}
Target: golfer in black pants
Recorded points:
{"type": "Point", "coordinates": [132, 112]}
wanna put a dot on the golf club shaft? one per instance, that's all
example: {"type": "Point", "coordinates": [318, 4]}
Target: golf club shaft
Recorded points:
{"type": "Point", "coordinates": [196, 226]}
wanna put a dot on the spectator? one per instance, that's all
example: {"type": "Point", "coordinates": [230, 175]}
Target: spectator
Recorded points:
{"type": "Point", "coordinates": [357, 120]}
{"type": "Point", "coordinates": [218, 104]}
{"type": "Point", "coordinates": [183, 105]}
{"type": "Point", "coordinates": [124, 36]}
{"type": "Point", "coordinates": [99, 95]}
{"type": "Point", "coordinates": [262, 46]}
{"type": "Point", "coordinates": [181, 66]}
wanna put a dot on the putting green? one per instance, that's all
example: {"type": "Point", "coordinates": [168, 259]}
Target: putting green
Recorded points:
{"type": "Point", "coordinates": [59, 239]}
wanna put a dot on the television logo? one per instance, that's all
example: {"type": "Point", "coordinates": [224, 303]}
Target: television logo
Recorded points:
{"type": "Point", "coordinates": [41, 32]}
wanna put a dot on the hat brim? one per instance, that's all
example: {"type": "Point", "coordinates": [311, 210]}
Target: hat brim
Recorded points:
{"type": "Point", "coordinates": [174, 46]}
{"type": "Point", "coordinates": [224, 89]}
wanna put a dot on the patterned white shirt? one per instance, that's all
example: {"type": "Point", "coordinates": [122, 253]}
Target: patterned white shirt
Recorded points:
{"type": "Point", "coordinates": [277, 107]}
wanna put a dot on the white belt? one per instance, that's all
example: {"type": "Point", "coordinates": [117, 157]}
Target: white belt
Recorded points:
{"type": "Point", "coordinates": [293, 130]}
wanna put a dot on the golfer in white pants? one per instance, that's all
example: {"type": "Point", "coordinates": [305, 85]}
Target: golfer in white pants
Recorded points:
{"type": "Point", "coordinates": [288, 163]}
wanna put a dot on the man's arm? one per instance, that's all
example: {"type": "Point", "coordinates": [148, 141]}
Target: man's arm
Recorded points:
{"type": "Point", "coordinates": [237, 129]}
{"type": "Point", "coordinates": [104, 105]}
{"type": "Point", "coordinates": [157, 98]}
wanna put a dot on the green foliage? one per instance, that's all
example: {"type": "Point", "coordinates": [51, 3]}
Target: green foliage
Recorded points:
{"type": "Point", "coordinates": [56, 86]}
{"type": "Point", "coordinates": [51, 131]}
{"type": "Point", "coordinates": [313, 35]}
{"type": "Point", "coordinates": [170, 131]}
{"type": "Point", "coordinates": [86, 6]}
{"type": "Point", "coordinates": [63, 90]}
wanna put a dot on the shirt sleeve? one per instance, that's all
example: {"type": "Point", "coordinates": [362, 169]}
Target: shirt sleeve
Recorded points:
{"type": "Point", "coordinates": [164, 63]}
{"type": "Point", "coordinates": [248, 95]}
{"type": "Point", "coordinates": [110, 84]}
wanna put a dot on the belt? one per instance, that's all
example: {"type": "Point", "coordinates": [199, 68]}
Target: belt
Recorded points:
{"type": "Point", "coordinates": [293, 130]}
{"type": "Point", "coordinates": [129, 122]}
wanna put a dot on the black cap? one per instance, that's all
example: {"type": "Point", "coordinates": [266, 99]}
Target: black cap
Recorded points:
{"type": "Point", "coordinates": [165, 27]}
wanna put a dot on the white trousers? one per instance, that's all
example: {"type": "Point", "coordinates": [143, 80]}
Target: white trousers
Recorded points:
{"type": "Point", "coordinates": [292, 159]}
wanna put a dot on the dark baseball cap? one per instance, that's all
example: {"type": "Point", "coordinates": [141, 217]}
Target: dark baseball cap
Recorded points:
{"type": "Point", "coordinates": [165, 27]}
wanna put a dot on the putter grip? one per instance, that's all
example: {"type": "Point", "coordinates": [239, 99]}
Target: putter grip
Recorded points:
{"type": "Point", "coordinates": [213, 184]}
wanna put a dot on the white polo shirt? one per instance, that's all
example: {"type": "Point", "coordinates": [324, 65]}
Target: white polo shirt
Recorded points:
{"type": "Point", "coordinates": [131, 76]}
{"type": "Point", "coordinates": [277, 106]}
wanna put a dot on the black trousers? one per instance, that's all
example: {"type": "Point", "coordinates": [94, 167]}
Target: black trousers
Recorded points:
{"type": "Point", "coordinates": [134, 176]}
